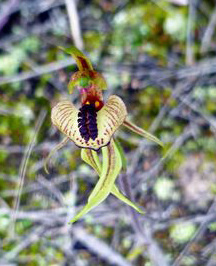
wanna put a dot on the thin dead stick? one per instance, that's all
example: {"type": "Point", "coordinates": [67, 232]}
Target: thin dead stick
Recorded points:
{"type": "Point", "coordinates": [196, 109]}
{"type": "Point", "coordinates": [197, 235]}
{"type": "Point", "coordinates": [99, 247]}
{"type": "Point", "coordinates": [152, 129]}
{"type": "Point", "coordinates": [187, 133]}
{"type": "Point", "coordinates": [33, 187]}
{"type": "Point", "coordinates": [33, 237]}
{"type": "Point", "coordinates": [38, 71]}
{"type": "Point", "coordinates": [50, 186]}
{"type": "Point", "coordinates": [144, 233]}
{"type": "Point", "coordinates": [206, 67]}
{"type": "Point", "coordinates": [74, 23]}
{"type": "Point", "coordinates": [190, 36]}
{"type": "Point", "coordinates": [20, 149]}
{"type": "Point", "coordinates": [165, 109]}
{"type": "Point", "coordinates": [23, 167]}
{"type": "Point", "coordinates": [206, 40]}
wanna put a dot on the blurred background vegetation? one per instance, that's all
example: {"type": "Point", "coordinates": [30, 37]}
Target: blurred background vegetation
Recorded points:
{"type": "Point", "coordinates": [160, 57]}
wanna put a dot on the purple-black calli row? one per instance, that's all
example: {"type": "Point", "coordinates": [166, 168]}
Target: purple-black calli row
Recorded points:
{"type": "Point", "coordinates": [87, 122]}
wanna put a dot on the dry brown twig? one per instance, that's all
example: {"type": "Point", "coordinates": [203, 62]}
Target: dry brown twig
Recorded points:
{"type": "Point", "coordinates": [208, 34]}
{"type": "Point", "coordinates": [190, 32]}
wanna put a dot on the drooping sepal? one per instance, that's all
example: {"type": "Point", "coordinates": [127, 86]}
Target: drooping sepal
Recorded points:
{"type": "Point", "coordinates": [142, 132]}
{"type": "Point", "coordinates": [54, 150]}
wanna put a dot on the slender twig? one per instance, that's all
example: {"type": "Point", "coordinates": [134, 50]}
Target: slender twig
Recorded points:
{"type": "Point", "coordinates": [74, 23]}
{"type": "Point", "coordinates": [33, 187]}
{"type": "Point", "coordinates": [99, 247]}
{"type": "Point", "coordinates": [34, 236]}
{"type": "Point", "coordinates": [211, 120]}
{"type": "Point", "coordinates": [190, 34]}
{"type": "Point", "coordinates": [144, 234]}
{"type": "Point", "coordinates": [50, 186]}
{"type": "Point", "coordinates": [206, 67]}
{"type": "Point", "coordinates": [46, 145]}
{"type": "Point", "coordinates": [188, 132]}
{"type": "Point", "coordinates": [38, 71]}
{"type": "Point", "coordinates": [197, 234]}
{"type": "Point", "coordinates": [208, 34]}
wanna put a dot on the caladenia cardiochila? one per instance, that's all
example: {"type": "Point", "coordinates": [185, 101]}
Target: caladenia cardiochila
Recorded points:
{"type": "Point", "coordinates": [91, 127]}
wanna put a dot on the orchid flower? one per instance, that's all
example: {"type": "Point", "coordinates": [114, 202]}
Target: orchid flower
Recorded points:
{"type": "Point", "coordinates": [92, 128]}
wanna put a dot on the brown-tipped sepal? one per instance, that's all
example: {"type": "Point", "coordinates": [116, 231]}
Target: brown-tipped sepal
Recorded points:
{"type": "Point", "coordinates": [142, 132]}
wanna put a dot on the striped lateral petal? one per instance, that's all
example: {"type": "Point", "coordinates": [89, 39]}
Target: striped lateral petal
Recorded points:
{"type": "Point", "coordinates": [142, 132]}
{"type": "Point", "coordinates": [86, 127]}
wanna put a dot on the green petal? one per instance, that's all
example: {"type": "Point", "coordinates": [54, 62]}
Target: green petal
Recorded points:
{"type": "Point", "coordinates": [65, 117]}
{"type": "Point", "coordinates": [111, 167]}
{"type": "Point", "coordinates": [142, 132]}
{"type": "Point", "coordinates": [91, 158]}
{"type": "Point", "coordinates": [54, 150]}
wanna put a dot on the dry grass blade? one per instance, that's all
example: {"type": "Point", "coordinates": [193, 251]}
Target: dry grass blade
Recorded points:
{"type": "Point", "coordinates": [23, 167]}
